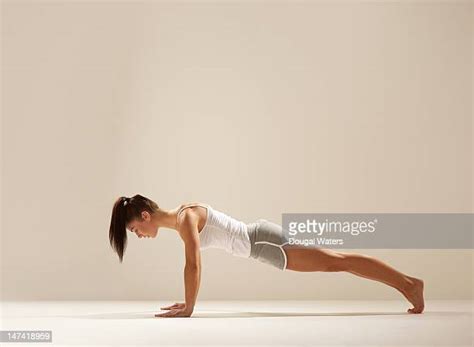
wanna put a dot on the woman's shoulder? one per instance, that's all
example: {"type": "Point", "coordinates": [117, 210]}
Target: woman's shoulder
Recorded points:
{"type": "Point", "coordinates": [190, 205]}
{"type": "Point", "coordinates": [188, 213]}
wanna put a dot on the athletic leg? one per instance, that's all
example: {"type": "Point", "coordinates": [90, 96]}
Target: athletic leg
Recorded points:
{"type": "Point", "coordinates": [325, 260]}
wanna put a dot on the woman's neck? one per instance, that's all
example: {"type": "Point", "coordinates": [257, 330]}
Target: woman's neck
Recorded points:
{"type": "Point", "coordinates": [166, 218]}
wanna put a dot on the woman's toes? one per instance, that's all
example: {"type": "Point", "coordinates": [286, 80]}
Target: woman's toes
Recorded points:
{"type": "Point", "coordinates": [415, 310]}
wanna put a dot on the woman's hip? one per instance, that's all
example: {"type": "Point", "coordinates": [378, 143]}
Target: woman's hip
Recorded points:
{"type": "Point", "coordinates": [266, 243]}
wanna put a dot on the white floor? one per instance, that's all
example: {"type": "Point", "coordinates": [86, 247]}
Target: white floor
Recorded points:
{"type": "Point", "coordinates": [315, 323]}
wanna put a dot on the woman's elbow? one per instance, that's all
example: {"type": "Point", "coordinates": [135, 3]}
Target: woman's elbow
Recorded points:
{"type": "Point", "coordinates": [192, 265]}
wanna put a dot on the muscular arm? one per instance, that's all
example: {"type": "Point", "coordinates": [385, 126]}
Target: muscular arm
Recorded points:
{"type": "Point", "coordinates": [192, 270]}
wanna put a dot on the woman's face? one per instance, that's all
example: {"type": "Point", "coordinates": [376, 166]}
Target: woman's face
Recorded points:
{"type": "Point", "coordinates": [144, 227]}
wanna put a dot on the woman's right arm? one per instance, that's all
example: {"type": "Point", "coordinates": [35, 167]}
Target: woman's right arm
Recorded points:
{"type": "Point", "coordinates": [188, 230]}
{"type": "Point", "coordinates": [192, 269]}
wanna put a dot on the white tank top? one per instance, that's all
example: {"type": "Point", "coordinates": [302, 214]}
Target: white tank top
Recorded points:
{"type": "Point", "coordinates": [224, 232]}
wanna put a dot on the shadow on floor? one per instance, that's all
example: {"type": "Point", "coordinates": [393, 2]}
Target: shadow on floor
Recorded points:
{"type": "Point", "coordinates": [260, 314]}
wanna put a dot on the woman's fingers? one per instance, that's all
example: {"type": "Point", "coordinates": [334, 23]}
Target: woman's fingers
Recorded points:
{"type": "Point", "coordinates": [170, 313]}
{"type": "Point", "coordinates": [176, 305]}
{"type": "Point", "coordinates": [179, 312]}
{"type": "Point", "coordinates": [168, 307]}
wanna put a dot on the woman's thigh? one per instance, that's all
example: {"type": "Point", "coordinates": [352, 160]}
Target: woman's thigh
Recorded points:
{"type": "Point", "coordinates": [313, 259]}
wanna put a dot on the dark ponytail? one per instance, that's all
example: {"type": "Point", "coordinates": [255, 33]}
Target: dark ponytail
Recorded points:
{"type": "Point", "coordinates": [124, 211]}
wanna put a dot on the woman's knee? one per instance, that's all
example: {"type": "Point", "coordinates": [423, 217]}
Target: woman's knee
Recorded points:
{"type": "Point", "coordinates": [346, 261]}
{"type": "Point", "coordinates": [337, 262]}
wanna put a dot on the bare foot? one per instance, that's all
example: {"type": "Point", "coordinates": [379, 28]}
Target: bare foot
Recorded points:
{"type": "Point", "coordinates": [414, 294]}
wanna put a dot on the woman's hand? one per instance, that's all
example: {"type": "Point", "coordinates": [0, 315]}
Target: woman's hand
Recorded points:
{"type": "Point", "coordinates": [175, 312]}
{"type": "Point", "coordinates": [176, 305]}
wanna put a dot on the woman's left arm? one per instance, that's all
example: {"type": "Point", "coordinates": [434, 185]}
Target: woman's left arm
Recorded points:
{"type": "Point", "coordinates": [192, 270]}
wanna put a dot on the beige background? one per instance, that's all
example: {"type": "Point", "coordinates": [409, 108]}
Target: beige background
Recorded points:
{"type": "Point", "coordinates": [256, 108]}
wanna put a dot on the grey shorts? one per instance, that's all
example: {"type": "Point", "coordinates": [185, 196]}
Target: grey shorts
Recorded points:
{"type": "Point", "coordinates": [266, 243]}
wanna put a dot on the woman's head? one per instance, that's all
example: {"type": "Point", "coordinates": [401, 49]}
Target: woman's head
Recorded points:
{"type": "Point", "coordinates": [134, 214]}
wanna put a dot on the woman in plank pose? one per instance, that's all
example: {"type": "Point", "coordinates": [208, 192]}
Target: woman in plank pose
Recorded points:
{"type": "Point", "coordinates": [201, 226]}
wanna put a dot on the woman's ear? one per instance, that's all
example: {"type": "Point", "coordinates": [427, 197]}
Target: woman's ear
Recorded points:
{"type": "Point", "coordinates": [146, 216]}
